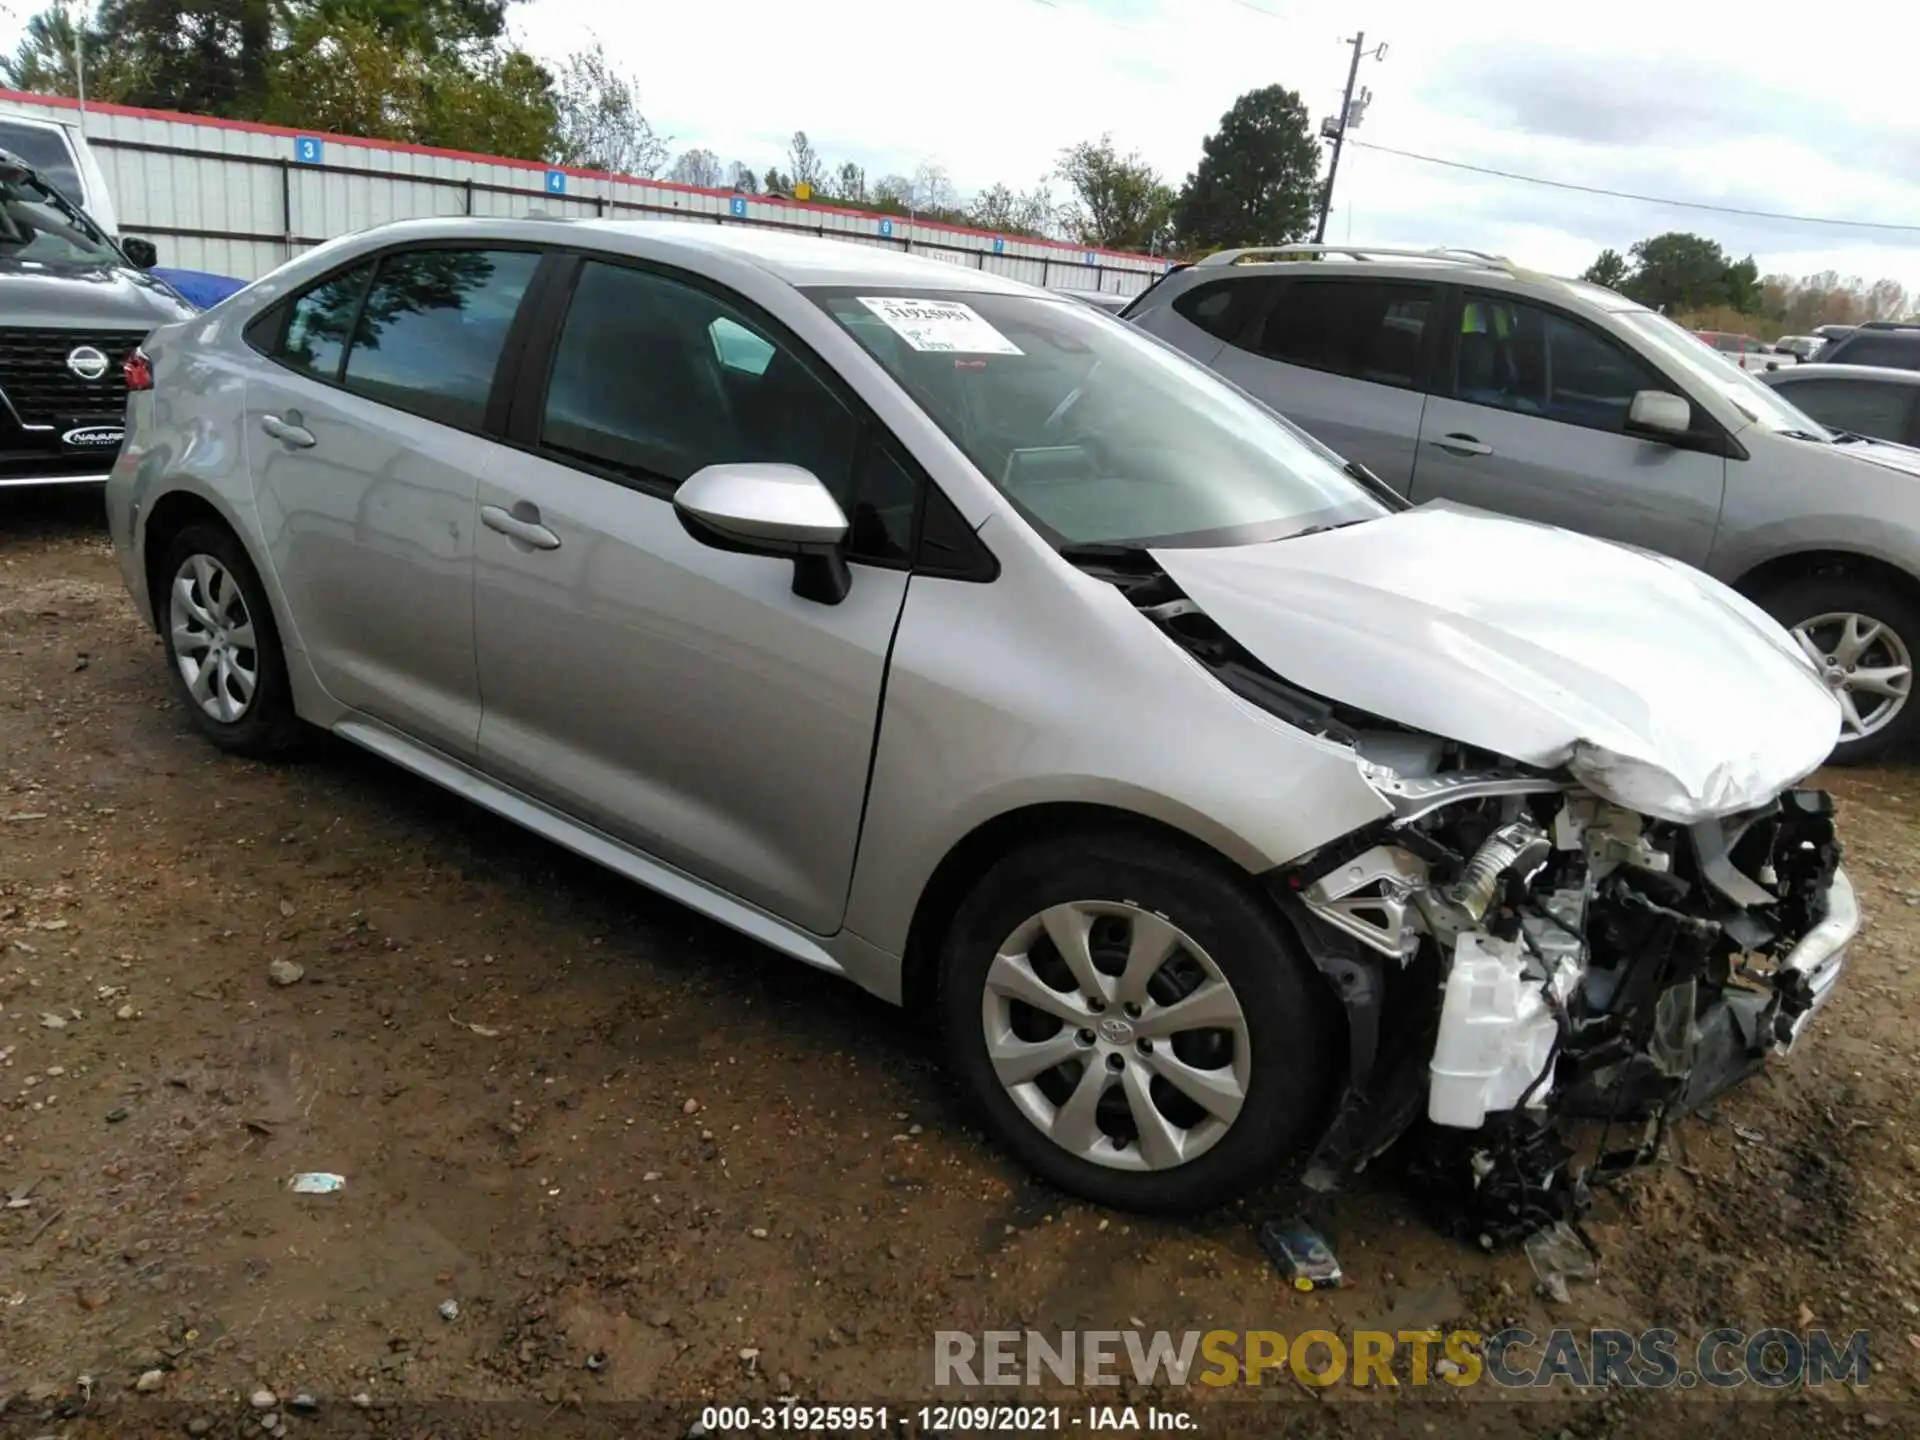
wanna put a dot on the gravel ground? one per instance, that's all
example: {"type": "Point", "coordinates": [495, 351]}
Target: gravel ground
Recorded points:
{"type": "Point", "coordinates": [654, 1165]}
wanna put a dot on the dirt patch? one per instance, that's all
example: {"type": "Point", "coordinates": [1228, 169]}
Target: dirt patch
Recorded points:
{"type": "Point", "coordinates": [655, 1164]}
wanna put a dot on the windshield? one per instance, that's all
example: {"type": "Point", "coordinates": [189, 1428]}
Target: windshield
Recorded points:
{"type": "Point", "coordinates": [1098, 434]}
{"type": "Point", "coordinates": [46, 151]}
{"type": "Point", "coordinates": [1686, 351]}
{"type": "Point", "coordinates": [37, 224]}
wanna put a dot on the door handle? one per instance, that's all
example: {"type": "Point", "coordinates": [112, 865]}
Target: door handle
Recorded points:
{"type": "Point", "coordinates": [1462, 445]}
{"type": "Point", "coordinates": [524, 527]}
{"type": "Point", "coordinates": [289, 429]}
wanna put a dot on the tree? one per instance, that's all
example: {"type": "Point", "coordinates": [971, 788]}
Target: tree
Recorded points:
{"type": "Point", "coordinates": [740, 178]}
{"type": "Point", "coordinates": [428, 27]}
{"type": "Point", "coordinates": [1123, 203]}
{"type": "Point", "coordinates": [502, 104]}
{"type": "Point", "coordinates": [697, 167]}
{"type": "Point", "coordinates": [804, 162]}
{"type": "Point", "coordinates": [893, 192]}
{"type": "Point", "coordinates": [43, 61]}
{"type": "Point", "coordinates": [850, 184]}
{"type": "Point", "coordinates": [999, 207]}
{"type": "Point", "coordinates": [1678, 271]}
{"type": "Point", "coordinates": [1888, 300]}
{"type": "Point", "coordinates": [933, 192]}
{"type": "Point", "coordinates": [209, 57]}
{"type": "Point", "coordinates": [600, 124]}
{"type": "Point", "coordinates": [343, 73]}
{"type": "Point", "coordinates": [1258, 178]}
{"type": "Point", "coordinates": [1609, 269]}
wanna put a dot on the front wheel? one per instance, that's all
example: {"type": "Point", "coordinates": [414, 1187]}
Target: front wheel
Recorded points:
{"type": "Point", "coordinates": [1862, 637]}
{"type": "Point", "coordinates": [1135, 1023]}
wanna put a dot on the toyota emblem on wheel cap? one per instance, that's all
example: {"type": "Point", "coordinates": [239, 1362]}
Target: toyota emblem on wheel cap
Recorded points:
{"type": "Point", "coordinates": [86, 362]}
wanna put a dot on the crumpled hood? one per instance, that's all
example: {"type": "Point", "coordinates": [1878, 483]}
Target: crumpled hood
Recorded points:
{"type": "Point", "coordinates": [1541, 645]}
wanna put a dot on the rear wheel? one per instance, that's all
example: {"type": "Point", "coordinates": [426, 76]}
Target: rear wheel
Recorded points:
{"type": "Point", "coordinates": [222, 646]}
{"type": "Point", "coordinates": [1134, 1022]}
{"type": "Point", "coordinates": [1862, 636]}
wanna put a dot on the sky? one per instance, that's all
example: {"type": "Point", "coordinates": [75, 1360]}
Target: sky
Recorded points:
{"type": "Point", "coordinates": [1680, 101]}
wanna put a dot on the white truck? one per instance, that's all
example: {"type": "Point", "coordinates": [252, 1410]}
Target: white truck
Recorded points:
{"type": "Point", "coordinates": [57, 148]}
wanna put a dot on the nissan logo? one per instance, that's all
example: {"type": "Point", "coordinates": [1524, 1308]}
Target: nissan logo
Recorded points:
{"type": "Point", "coordinates": [87, 362]}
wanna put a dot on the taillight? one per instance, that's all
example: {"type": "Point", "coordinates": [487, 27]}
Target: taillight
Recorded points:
{"type": "Point", "coordinates": [139, 370]}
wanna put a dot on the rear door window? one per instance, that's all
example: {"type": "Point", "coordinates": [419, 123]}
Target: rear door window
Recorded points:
{"type": "Point", "coordinates": [433, 328]}
{"type": "Point", "coordinates": [1220, 307]}
{"type": "Point", "coordinates": [1368, 329]}
{"type": "Point", "coordinates": [315, 338]}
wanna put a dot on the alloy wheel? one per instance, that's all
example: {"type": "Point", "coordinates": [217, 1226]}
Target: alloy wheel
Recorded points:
{"type": "Point", "coordinates": [1116, 1035]}
{"type": "Point", "coordinates": [1865, 663]}
{"type": "Point", "coordinates": [213, 640]}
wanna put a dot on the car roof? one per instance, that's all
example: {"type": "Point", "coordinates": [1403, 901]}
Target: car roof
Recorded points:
{"type": "Point", "coordinates": [1460, 267]}
{"type": "Point", "coordinates": [803, 260]}
{"type": "Point", "coordinates": [1847, 372]}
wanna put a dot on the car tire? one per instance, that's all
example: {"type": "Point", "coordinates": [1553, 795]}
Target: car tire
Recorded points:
{"type": "Point", "coordinates": [1815, 608]}
{"type": "Point", "coordinates": [1141, 893]}
{"type": "Point", "coordinates": [223, 649]}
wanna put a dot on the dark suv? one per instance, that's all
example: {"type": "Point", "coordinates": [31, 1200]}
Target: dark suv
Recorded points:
{"type": "Point", "coordinates": [1891, 344]}
{"type": "Point", "coordinates": [73, 307]}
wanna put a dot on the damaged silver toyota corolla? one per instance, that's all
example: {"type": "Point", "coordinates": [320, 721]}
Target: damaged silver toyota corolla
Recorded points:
{"type": "Point", "coordinates": [955, 638]}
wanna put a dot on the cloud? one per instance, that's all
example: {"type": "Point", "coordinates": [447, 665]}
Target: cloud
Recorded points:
{"type": "Point", "coordinates": [1756, 112]}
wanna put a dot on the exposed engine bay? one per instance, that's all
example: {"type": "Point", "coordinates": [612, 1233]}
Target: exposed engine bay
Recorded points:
{"type": "Point", "coordinates": [1514, 950]}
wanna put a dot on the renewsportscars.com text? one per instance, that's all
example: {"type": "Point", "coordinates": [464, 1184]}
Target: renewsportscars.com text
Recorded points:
{"type": "Point", "coordinates": [1652, 1359]}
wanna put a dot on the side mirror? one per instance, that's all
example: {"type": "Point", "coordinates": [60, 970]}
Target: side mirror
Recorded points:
{"type": "Point", "coordinates": [1660, 412]}
{"type": "Point", "coordinates": [143, 253]}
{"type": "Point", "coordinates": [756, 508]}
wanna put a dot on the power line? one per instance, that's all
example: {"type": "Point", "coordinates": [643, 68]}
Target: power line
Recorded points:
{"type": "Point", "coordinates": [1629, 195]}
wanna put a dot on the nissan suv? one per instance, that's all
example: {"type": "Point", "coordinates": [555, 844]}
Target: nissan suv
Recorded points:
{"type": "Point", "coordinates": [73, 306]}
{"type": "Point", "coordinates": [1458, 375]}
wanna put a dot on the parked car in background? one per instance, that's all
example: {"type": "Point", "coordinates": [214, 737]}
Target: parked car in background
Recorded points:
{"type": "Point", "coordinates": [1886, 343]}
{"type": "Point", "coordinates": [946, 636]}
{"type": "Point", "coordinates": [1461, 376]}
{"type": "Point", "coordinates": [73, 308]}
{"type": "Point", "coordinates": [1750, 354]}
{"type": "Point", "coordinates": [1880, 403]}
{"type": "Point", "coordinates": [1100, 299]}
{"type": "Point", "coordinates": [1800, 347]}
{"type": "Point", "coordinates": [199, 287]}
{"type": "Point", "coordinates": [58, 150]}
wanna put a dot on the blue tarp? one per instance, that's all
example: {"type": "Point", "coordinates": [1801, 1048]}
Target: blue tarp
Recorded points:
{"type": "Point", "coordinates": [200, 287]}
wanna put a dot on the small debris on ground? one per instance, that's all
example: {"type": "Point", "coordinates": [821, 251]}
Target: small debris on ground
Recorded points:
{"type": "Point", "coordinates": [449, 1310]}
{"type": "Point", "coordinates": [1301, 1254]}
{"type": "Point", "coordinates": [1558, 1254]}
{"type": "Point", "coordinates": [317, 1182]}
{"type": "Point", "coordinates": [285, 972]}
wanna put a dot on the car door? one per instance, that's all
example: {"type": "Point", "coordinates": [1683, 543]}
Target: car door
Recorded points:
{"type": "Point", "coordinates": [1529, 417]}
{"type": "Point", "coordinates": [677, 697]}
{"type": "Point", "coordinates": [364, 443]}
{"type": "Point", "coordinates": [1346, 358]}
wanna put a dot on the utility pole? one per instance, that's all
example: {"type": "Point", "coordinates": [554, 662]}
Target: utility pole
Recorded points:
{"type": "Point", "coordinates": [1334, 128]}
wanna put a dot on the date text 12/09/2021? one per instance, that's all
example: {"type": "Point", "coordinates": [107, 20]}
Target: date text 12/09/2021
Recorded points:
{"type": "Point", "coordinates": [724, 1420]}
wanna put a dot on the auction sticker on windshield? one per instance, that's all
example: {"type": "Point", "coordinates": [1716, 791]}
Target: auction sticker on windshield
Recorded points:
{"type": "Point", "coordinates": [944, 325]}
